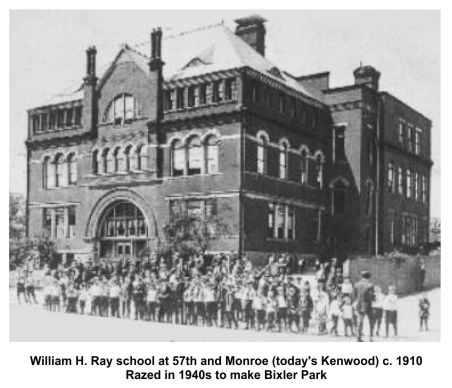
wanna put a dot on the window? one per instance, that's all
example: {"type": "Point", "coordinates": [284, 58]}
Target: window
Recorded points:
{"type": "Point", "coordinates": [35, 123]}
{"type": "Point", "coordinates": [78, 116]}
{"type": "Point", "coordinates": [424, 189]}
{"type": "Point", "coordinates": [47, 222]}
{"type": "Point", "coordinates": [176, 210]}
{"type": "Point", "coordinates": [293, 108]}
{"type": "Point", "coordinates": [44, 122]}
{"type": "Point", "coordinates": [169, 96]}
{"type": "Point", "coordinates": [52, 120]}
{"type": "Point", "coordinates": [141, 156]}
{"type": "Point", "coordinates": [290, 223]}
{"type": "Point", "coordinates": [262, 155]}
{"type": "Point", "coordinates": [229, 85]}
{"type": "Point", "coordinates": [408, 183]}
{"type": "Point", "coordinates": [392, 231]}
{"type": "Point", "coordinates": [417, 141]}
{"type": "Point", "coordinates": [211, 145]}
{"type": "Point", "coordinates": [304, 166]}
{"type": "Point", "coordinates": [339, 144]}
{"type": "Point", "coordinates": [123, 219]}
{"type": "Point", "coordinates": [194, 209]}
{"type": "Point", "coordinates": [60, 119]}
{"type": "Point", "coordinates": [60, 171]}
{"type": "Point", "coordinates": [217, 92]}
{"type": "Point", "coordinates": [416, 186]}
{"type": "Point", "coordinates": [401, 132]}
{"type": "Point", "coordinates": [127, 164]}
{"type": "Point", "coordinates": [121, 110]}
{"type": "Point", "coordinates": [391, 181]}
{"type": "Point", "coordinates": [283, 160]}
{"type": "Point", "coordinates": [281, 221]}
{"type": "Point", "coordinates": [178, 158]}
{"type": "Point", "coordinates": [48, 173]}
{"type": "Point", "coordinates": [72, 169]}
{"type": "Point", "coordinates": [338, 203]}
{"type": "Point", "coordinates": [71, 221]}
{"type": "Point", "coordinates": [271, 220]}
{"type": "Point", "coordinates": [104, 160]}
{"type": "Point", "coordinates": [202, 94]}
{"type": "Point", "coordinates": [180, 98]}
{"type": "Point", "coordinates": [371, 153]}
{"type": "Point", "coordinates": [400, 179]}
{"type": "Point", "coordinates": [192, 96]}
{"type": "Point", "coordinates": [195, 156]}
{"type": "Point", "coordinates": [409, 134]}
{"type": "Point", "coordinates": [60, 223]}
{"type": "Point", "coordinates": [319, 171]}
{"type": "Point", "coordinates": [95, 162]}
{"type": "Point", "coordinates": [69, 117]}
{"type": "Point", "coordinates": [117, 162]}
{"type": "Point", "coordinates": [255, 92]}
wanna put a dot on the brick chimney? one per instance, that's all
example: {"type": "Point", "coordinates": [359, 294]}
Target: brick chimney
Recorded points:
{"type": "Point", "coordinates": [89, 89]}
{"type": "Point", "coordinates": [252, 30]}
{"type": "Point", "coordinates": [367, 75]}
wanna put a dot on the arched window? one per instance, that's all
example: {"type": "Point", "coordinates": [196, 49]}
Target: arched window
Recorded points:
{"type": "Point", "coordinates": [141, 158]}
{"type": "Point", "coordinates": [283, 160]}
{"type": "Point", "coordinates": [195, 156]}
{"type": "Point", "coordinates": [72, 169]}
{"type": "Point", "coordinates": [177, 158]}
{"type": "Point", "coordinates": [104, 160]}
{"type": "Point", "coordinates": [408, 188]}
{"type": "Point", "coordinates": [319, 170]}
{"type": "Point", "coordinates": [48, 173]}
{"type": "Point", "coordinates": [262, 145]}
{"type": "Point", "coordinates": [95, 162]}
{"type": "Point", "coordinates": [60, 171]}
{"type": "Point", "coordinates": [121, 110]}
{"type": "Point", "coordinates": [127, 151]}
{"type": "Point", "coordinates": [211, 145]}
{"type": "Point", "coordinates": [117, 160]}
{"type": "Point", "coordinates": [338, 200]}
{"type": "Point", "coordinates": [304, 166]}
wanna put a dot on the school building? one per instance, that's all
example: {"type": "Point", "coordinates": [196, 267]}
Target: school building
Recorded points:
{"type": "Point", "coordinates": [203, 123]}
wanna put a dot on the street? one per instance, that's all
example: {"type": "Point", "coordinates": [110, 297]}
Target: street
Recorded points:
{"type": "Point", "coordinates": [34, 323]}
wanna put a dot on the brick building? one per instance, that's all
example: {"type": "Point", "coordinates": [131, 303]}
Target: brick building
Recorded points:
{"type": "Point", "coordinates": [206, 124]}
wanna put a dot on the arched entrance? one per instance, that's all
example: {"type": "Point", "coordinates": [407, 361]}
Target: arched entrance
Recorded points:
{"type": "Point", "coordinates": [122, 232]}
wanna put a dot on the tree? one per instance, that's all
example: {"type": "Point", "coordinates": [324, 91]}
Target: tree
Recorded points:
{"type": "Point", "coordinates": [192, 235]}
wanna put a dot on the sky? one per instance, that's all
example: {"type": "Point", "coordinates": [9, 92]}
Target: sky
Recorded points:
{"type": "Point", "coordinates": [47, 56]}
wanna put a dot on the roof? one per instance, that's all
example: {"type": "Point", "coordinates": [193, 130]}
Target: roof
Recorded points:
{"type": "Point", "coordinates": [205, 50]}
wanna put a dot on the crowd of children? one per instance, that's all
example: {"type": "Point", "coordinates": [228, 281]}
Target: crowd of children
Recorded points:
{"type": "Point", "coordinates": [229, 292]}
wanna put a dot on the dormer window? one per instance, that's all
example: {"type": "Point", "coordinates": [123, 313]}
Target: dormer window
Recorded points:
{"type": "Point", "coordinates": [122, 110]}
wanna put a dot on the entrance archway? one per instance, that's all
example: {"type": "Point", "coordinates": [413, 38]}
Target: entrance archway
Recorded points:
{"type": "Point", "coordinates": [122, 231]}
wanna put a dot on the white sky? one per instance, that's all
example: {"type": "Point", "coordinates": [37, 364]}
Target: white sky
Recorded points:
{"type": "Point", "coordinates": [47, 56]}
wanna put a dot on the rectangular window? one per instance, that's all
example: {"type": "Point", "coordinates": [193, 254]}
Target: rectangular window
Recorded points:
{"type": "Point", "coordinates": [68, 117]}
{"type": "Point", "coordinates": [52, 120]}
{"type": "Point", "coordinates": [255, 92]}
{"type": "Point", "coordinates": [176, 210]}
{"type": "Point", "coordinates": [409, 134]}
{"type": "Point", "coordinates": [180, 95]}
{"type": "Point", "coordinates": [46, 221]}
{"type": "Point", "coordinates": [282, 103]}
{"type": "Point", "coordinates": [35, 123]}
{"type": "Point", "coordinates": [283, 158]}
{"type": "Point", "coordinates": [202, 94]}
{"type": "Point", "coordinates": [401, 132]}
{"type": "Point", "coordinates": [217, 92]}
{"type": "Point", "coordinates": [44, 122]}
{"type": "Point", "coordinates": [210, 208]}
{"type": "Point", "coordinates": [194, 209]}
{"type": "Point", "coordinates": [293, 108]}
{"type": "Point", "coordinates": [391, 231]}
{"type": "Point", "coordinates": [228, 89]}
{"type": "Point", "coordinates": [60, 120]}
{"type": "Point", "coordinates": [391, 177]}
{"type": "Point", "coordinates": [281, 222]}
{"type": "Point", "coordinates": [290, 223]}
{"type": "Point", "coordinates": [71, 221]}
{"type": "Point", "coordinates": [59, 223]}
{"type": "Point", "coordinates": [316, 225]}
{"type": "Point", "coordinates": [191, 96]}
{"type": "Point", "coordinates": [261, 158]}
{"type": "Point", "coordinates": [400, 180]}
{"type": "Point", "coordinates": [416, 186]}
{"type": "Point", "coordinates": [271, 220]}
{"type": "Point", "coordinates": [417, 141]}
{"type": "Point", "coordinates": [78, 116]}
{"type": "Point", "coordinates": [339, 144]}
{"type": "Point", "coordinates": [424, 189]}
{"type": "Point", "coordinates": [408, 183]}
{"type": "Point", "coordinates": [169, 99]}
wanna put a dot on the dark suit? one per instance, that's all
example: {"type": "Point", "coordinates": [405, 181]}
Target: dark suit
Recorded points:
{"type": "Point", "coordinates": [364, 295]}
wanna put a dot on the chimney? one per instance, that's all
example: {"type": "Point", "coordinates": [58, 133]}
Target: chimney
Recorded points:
{"type": "Point", "coordinates": [367, 75]}
{"type": "Point", "coordinates": [89, 88]}
{"type": "Point", "coordinates": [251, 29]}
{"type": "Point", "coordinates": [155, 102]}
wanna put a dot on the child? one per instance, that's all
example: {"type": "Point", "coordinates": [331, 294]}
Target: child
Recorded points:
{"type": "Point", "coordinates": [347, 316]}
{"type": "Point", "coordinates": [113, 295]}
{"type": "Point", "coordinates": [322, 311]}
{"type": "Point", "coordinates": [71, 295]}
{"type": "Point", "coordinates": [258, 308]}
{"type": "Point", "coordinates": [282, 308]}
{"type": "Point", "coordinates": [377, 309]}
{"type": "Point", "coordinates": [390, 309]}
{"type": "Point", "coordinates": [82, 299]}
{"type": "Point", "coordinates": [55, 292]}
{"type": "Point", "coordinates": [271, 305]}
{"type": "Point", "coordinates": [305, 307]}
{"type": "Point", "coordinates": [151, 299]}
{"type": "Point", "coordinates": [424, 313]}
{"type": "Point", "coordinates": [335, 312]}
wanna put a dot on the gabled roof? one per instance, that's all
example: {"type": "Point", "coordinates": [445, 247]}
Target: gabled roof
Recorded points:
{"type": "Point", "coordinates": [203, 51]}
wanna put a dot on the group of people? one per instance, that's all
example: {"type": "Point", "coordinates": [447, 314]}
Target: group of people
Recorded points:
{"type": "Point", "coordinates": [227, 291]}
